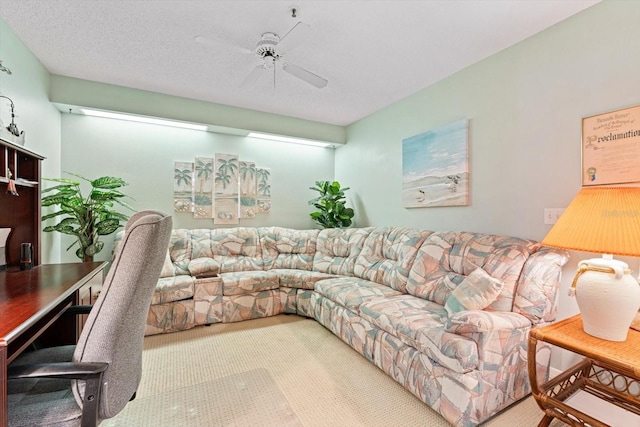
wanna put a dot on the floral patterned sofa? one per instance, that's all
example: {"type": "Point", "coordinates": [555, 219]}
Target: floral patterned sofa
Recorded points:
{"type": "Point", "coordinates": [445, 314]}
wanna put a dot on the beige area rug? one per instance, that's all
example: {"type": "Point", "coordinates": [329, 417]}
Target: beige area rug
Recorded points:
{"type": "Point", "coordinates": [278, 371]}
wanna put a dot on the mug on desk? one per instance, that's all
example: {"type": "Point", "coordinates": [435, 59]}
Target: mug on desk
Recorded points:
{"type": "Point", "coordinates": [26, 256]}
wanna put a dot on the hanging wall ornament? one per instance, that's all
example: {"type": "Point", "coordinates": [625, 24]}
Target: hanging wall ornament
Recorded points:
{"type": "Point", "coordinates": [11, 187]}
{"type": "Point", "coordinates": [14, 133]}
{"type": "Point", "coordinates": [4, 69]}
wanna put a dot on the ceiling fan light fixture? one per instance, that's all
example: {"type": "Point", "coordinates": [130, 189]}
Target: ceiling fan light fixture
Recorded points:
{"type": "Point", "coordinates": [272, 48]}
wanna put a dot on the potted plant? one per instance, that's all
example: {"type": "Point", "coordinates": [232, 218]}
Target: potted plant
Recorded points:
{"type": "Point", "coordinates": [86, 218]}
{"type": "Point", "coordinates": [332, 212]}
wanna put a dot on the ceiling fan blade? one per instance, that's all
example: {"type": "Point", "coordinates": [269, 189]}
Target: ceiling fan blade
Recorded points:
{"type": "Point", "coordinates": [218, 42]}
{"type": "Point", "coordinates": [294, 38]}
{"type": "Point", "coordinates": [274, 76]}
{"type": "Point", "coordinates": [253, 75]}
{"type": "Point", "coordinates": [305, 75]}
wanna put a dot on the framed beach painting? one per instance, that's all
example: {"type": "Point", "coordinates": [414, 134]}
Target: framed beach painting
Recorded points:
{"type": "Point", "coordinates": [435, 167]}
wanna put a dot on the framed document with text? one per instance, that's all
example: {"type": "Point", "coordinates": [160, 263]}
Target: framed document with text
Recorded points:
{"type": "Point", "coordinates": [611, 147]}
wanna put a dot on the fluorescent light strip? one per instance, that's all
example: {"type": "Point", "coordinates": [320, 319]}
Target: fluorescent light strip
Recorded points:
{"type": "Point", "coordinates": [142, 119]}
{"type": "Point", "coordinates": [289, 139]}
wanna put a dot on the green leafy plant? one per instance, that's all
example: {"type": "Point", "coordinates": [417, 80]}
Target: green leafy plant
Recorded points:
{"type": "Point", "coordinates": [332, 212]}
{"type": "Point", "coordinates": [86, 218]}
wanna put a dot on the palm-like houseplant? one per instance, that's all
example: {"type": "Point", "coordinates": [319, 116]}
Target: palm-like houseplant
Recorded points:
{"type": "Point", "coordinates": [332, 211]}
{"type": "Point", "coordinates": [86, 218]}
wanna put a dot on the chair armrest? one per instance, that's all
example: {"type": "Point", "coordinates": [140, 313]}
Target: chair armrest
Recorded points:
{"type": "Point", "coordinates": [75, 310]}
{"type": "Point", "coordinates": [68, 370]}
{"type": "Point", "coordinates": [90, 373]}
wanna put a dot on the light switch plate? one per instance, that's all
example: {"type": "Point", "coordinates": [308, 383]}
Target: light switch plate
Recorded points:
{"type": "Point", "coordinates": [551, 215]}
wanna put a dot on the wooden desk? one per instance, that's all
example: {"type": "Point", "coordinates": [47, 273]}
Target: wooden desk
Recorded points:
{"type": "Point", "coordinates": [610, 371]}
{"type": "Point", "coordinates": [30, 302]}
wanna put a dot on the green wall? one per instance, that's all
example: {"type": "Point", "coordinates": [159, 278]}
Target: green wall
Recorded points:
{"type": "Point", "coordinates": [525, 107]}
{"type": "Point", "coordinates": [144, 156]}
{"type": "Point", "coordinates": [70, 93]}
{"type": "Point", "coordinates": [28, 87]}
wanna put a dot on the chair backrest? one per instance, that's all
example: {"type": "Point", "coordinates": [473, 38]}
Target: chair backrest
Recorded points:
{"type": "Point", "coordinates": [114, 330]}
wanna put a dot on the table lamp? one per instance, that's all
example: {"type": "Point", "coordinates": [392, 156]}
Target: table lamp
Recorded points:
{"type": "Point", "coordinates": [605, 220]}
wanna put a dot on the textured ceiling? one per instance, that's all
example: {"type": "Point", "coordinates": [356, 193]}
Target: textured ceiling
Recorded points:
{"type": "Point", "coordinates": [373, 53]}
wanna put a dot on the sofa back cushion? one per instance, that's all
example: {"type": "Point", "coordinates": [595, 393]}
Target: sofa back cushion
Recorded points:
{"type": "Point", "coordinates": [338, 248]}
{"type": "Point", "coordinates": [179, 254]}
{"type": "Point", "coordinates": [446, 258]}
{"type": "Point", "coordinates": [388, 254]}
{"type": "Point", "coordinates": [225, 250]}
{"type": "Point", "coordinates": [288, 248]}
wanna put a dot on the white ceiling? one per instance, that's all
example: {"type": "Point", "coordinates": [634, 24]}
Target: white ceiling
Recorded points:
{"type": "Point", "coordinates": [373, 53]}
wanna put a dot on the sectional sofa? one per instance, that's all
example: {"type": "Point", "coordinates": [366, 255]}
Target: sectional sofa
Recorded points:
{"type": "Point", "coordinates": [445, 314]}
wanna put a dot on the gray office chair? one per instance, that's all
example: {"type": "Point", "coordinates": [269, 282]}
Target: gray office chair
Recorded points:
{"type": "Point", "coordinates": [107, 361]}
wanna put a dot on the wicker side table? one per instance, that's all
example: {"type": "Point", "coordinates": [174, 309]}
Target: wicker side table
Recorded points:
{"type": "Point", "coordinates": [610, 371]}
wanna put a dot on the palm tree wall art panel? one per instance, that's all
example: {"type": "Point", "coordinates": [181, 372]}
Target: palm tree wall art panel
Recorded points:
{"type": "Point", "coordinates": [204, 185]}
{"type": "Point", "coordinates": [248, 189]}
{"type": "Point", "coordinates": [226, 175]}
{"type": "Point", "coordinates": [226, 189]}
{"type": "Point", "coordinates": [222, 188]}
{"type": "Point", "coordinates": [435, 167]}
{"type": "Point", "coordinates": [183, 187]}
{"type": "Point", "coordinates": [264, 189]}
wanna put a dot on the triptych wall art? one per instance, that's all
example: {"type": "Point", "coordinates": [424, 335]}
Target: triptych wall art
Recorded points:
{"type": "Point", "coordinates": [435, 167]}
{"type": "Point", "coordinates": [222, 187]}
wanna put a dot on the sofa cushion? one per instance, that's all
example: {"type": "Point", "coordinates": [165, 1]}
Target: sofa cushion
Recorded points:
{"type": "Point", "coordinates": [180, 250]}
{"type": "Point", "coordinates": [247, 282]}
{"type": "Point", "coordinates": [288, 248]}
{"type": "Point", "coordinates": [167, 267]}
{"type": "Point", "coordinates": [174, 288]}
{"type": "Point", "coordinates": [445, 258]}
{"type": "Point", "coordinates": [388, 254]}
{"type": "Point", "coordinates": [476, 292]}
{"type": "Point", "coordinates": [300, 279]}
{"type": "Point", "coordinates": [337, 249]}
{"type": "Point", "coordinates": [421, 324]}
{"type": "Point", "coordinates": [233, 249]}
{"type": "Point", "coordinates": [351, 292]}
{"type": "Point", "coordinates": [204, 267]}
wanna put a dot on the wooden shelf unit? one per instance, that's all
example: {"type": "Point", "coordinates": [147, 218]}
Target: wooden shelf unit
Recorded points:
{"type": "Point", "coordinates": [21, 213]}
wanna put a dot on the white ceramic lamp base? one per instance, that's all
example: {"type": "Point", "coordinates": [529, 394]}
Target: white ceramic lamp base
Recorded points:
{"type": "Point", "coordinates": [608, 297]}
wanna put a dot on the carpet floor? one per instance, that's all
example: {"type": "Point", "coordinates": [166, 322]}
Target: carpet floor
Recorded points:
{"type": "Point", "coordinates": [278, 371]}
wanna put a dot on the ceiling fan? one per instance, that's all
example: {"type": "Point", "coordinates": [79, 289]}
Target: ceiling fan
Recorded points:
{"type": "Point", "coordinates": [271, 50]}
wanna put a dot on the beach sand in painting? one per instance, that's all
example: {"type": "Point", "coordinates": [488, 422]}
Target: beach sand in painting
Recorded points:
{"type": "Point", "coordinates": [431, 191]}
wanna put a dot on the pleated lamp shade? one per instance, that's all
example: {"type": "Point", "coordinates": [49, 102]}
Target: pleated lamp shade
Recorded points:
{"type": "Point", "coordinates": [605, 220]}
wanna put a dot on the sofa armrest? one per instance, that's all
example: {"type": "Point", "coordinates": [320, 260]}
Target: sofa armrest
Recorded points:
{"type": "Point", "coordinates": [470, 322]}
{"type": "Point", "coordinates": [538, 285]}
{"type": "Point", "coordinates": [497, 334]}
